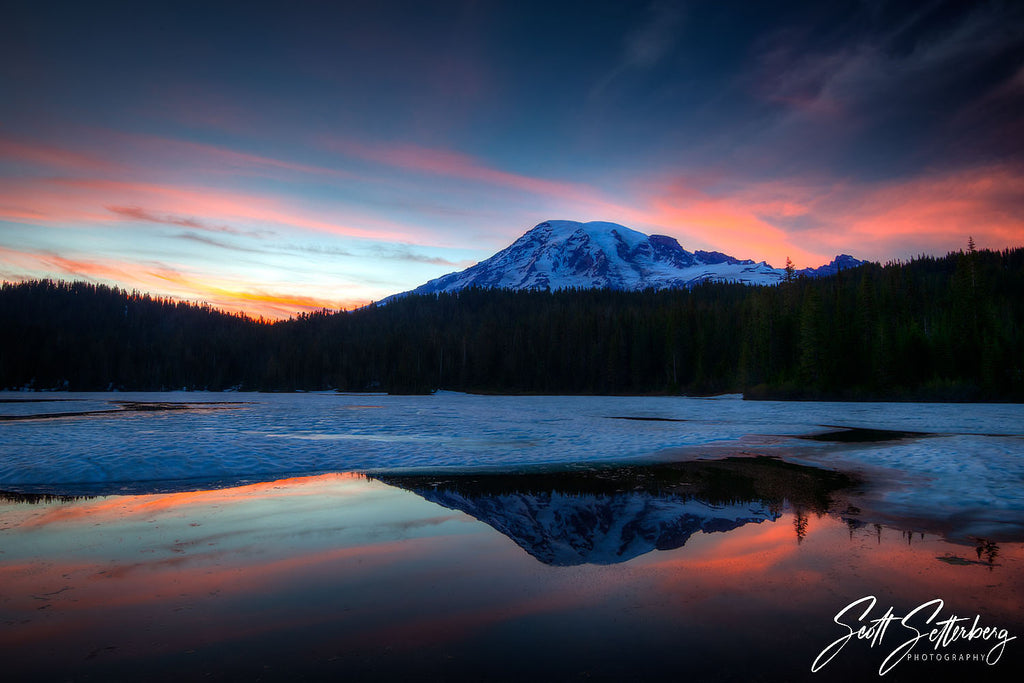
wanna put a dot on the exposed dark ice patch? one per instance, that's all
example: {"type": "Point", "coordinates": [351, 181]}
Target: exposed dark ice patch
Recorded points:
{"type": "Point", "coordinates": [127, 407]}
{"type": "Point", "coordinates": [37, 400]}
{"type": "Point", "coordinates": [840, 434]}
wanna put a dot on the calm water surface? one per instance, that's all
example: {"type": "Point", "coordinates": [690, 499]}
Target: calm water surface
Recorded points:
{"type": "Point", "coordinates": [723, 565]}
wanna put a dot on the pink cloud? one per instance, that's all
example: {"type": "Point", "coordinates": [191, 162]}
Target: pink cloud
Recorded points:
{"type": "Point", "coordinates": [50, 156]}
{"type": "Point", "coordinates": [137, 213]}
{"type": "Point", "coordinates": [933, 212]}
{"type": "Point", "coordinates": [71, 200]}
{"type": "Point", "coordinates": [101, 186]}
{"type": "Point", "coordinates": [806, 219]}
{"type": "Point", "coordinates": [212, 157]}
{"type": "Point", "coordinates": [151, 151]}
{"type": "Point", "coordinates": [811, 220]}
{"type": "Point", "coordinates": [725, 224]}
{"type": "Point", "coordinates": [453, 164]}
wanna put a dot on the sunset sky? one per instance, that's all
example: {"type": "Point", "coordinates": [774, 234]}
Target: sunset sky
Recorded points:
{"type": "Point", "coordinates": [280, 157]}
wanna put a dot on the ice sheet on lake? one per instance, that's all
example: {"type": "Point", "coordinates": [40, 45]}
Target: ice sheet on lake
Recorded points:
{"type": "Point", "coordinates": [973, 458]}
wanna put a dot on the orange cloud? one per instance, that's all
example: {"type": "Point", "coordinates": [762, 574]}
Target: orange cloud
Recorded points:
{"type": "Point", "coordinates": [808, 220]}
{"type": "Point", "coordinates": [251, 302]}
{"type": "Point", "coordinates": [811, 221]}
{"type": "Point", "coordinates": [39, 264]}
{"type": "Point", "coordinates": [732, 227]}
{"type": "Point", "coordinates": [258, 303]}
{"type": "Point", "coordinates": [162, 280]}
{"type": "Point", "coordinates": [934, 212]}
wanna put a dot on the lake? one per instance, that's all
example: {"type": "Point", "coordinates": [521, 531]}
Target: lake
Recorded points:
{"type": "Point", "coordinates": [456, 537]}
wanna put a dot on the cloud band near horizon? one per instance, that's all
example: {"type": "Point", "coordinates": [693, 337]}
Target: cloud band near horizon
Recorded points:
{"type": "Point", "coordinates": [367, 150]}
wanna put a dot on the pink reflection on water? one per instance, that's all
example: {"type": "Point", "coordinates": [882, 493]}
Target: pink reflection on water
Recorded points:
{"type": "Point", "coordinates": [339, 567]}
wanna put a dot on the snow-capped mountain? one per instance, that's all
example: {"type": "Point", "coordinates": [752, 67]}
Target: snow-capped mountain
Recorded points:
{"type": "Point", "coordinates": [607, 516]}
{"type": "Point", "coordinates": [565, 529]}
{"type": "Point", "coordinates": [568, 254]}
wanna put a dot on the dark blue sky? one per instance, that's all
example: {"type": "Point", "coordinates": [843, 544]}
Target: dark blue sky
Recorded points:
{"type": "Point", "coordinates": [338, 152]}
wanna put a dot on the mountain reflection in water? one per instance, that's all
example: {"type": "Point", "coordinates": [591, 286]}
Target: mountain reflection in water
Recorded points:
{"type": "Point", "coordinates": [607, 516]}
{"type": "Point", "coordinates": [340, 577]}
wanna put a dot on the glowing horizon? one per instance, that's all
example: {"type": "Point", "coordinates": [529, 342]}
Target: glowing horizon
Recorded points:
{"type": "Point", "coordinates": [277, 181]}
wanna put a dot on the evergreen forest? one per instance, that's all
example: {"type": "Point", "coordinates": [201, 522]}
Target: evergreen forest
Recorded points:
{"type": "Point", "coordinates": [933, 329]}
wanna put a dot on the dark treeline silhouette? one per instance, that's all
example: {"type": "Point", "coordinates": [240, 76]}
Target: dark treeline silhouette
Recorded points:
{"type": "Point", "coordinates": [82, 336]}
{"type": "Point", "coordinates": [949, 328]}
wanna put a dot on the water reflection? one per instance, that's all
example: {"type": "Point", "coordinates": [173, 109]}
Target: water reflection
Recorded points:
{"type": "Point", "coordinates": [341, 577]}
{"type": "Point", "coordinates": [607, 516]}
{"type": "Point", "coordinates": [39, 498]}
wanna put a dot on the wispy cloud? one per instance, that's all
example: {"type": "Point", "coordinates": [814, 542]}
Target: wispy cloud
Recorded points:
{"type": "Point", "coordinates": [645, 45]}
{"type": "Point", "coordinates": [449, 163]}
{"type": "Point", "coordinates": [318, 249]}
{"type": "Point", "coordinates": [53, 157]}
{"type": "Point", "coordinates": [131, 153]}
{"type": "Point", "coordinates": [404, 252]}
{"type": "Point", "coordinates": [889, 103]}
{"type": "Point", "coordinates": [139, 214]}
{"type": "Point", "coordinates": [185, 154]}
{"type": "Point", "coordinates": [97, 201]}
{"type": "Point", "coordinates": [220, 244]}
{"type": "Point", "coordinates": [48, 263]}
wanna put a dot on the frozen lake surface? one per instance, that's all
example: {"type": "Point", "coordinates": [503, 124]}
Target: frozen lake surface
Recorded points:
{"type": "Point", "coordinates": [929, 461]}
{"type": "Point", "coordinates": [322, 536]}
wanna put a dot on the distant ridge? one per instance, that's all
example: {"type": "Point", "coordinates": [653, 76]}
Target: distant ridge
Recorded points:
{"type": "Point", "coordinates": [600, 255]}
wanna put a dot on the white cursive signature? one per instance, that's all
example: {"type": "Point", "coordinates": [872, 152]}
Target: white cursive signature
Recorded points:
{"type": "Point", "coordinates": [942, 633]}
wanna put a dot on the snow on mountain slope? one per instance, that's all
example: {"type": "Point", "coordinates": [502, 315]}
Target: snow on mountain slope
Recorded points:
{"type": "Point", "coordinates": [568, 254]}
{"type": "Point", "coordinates": [567, 529]}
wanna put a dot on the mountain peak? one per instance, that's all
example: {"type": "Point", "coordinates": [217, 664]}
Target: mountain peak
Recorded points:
{"type": "Point", "coordinates": [563, 254]}
{"type": "Point", "coordinates": [601, 233]}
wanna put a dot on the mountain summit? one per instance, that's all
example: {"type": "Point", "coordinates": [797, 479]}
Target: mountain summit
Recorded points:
{"type": "Point", "coordinates": [569, 254]}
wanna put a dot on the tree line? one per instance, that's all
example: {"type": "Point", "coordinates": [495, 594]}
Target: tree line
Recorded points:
{"type": "Point", "coordinates": [947, 328]}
